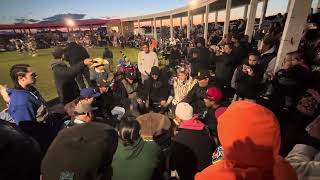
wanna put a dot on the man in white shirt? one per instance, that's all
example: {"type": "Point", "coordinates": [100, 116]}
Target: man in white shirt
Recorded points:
{"type": "Point", "coordinates": [146, 60]}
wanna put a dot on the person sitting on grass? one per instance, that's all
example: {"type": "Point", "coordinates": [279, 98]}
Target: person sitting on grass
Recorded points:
{"type": "Point", "coordinates": [108, 104]}
{"type": "Point", "coordinates": [83, 114]}
{"type": "Point", "coordinates": [155, 90]}
{"type": "Point", "coordinates": [87, 95]}
{"type": "Point", "coordinates": [192, 146]}
{"type": "Point", "coordinates": [135, 158]}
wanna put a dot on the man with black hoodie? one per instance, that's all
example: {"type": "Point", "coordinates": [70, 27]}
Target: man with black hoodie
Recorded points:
{"type": "Point", "coordinates": [64, 76]}
{"type": "Point", "coordinates": [156, 90]}
{"type": "Point", "coordinates": [75, 53]}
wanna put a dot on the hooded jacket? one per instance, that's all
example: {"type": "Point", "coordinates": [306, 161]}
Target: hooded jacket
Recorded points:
{"type": "Point", "coordinates": [246, 85]}
{"type": "Point", "coordinates": [250, 137]}
{"type": "Point", "coordinates": [139, 161]}
{"type": "Point", "coordinates": [191, 149]}
{"type": "Point", "coordinates": [64, 78]}
{"type": "Point", "coordinates": [23, 105]}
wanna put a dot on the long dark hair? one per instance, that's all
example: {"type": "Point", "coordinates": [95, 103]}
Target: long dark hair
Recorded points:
{"type": "Point", "coordinates": [16, 71]}
{"type": "Point", "coordinates": [129, 131]}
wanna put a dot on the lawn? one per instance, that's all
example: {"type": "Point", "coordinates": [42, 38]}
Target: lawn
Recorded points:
{"type": "Point", "coordinates": [41, 65]}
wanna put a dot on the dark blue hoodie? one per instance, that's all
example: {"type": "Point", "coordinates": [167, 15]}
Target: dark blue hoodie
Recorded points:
{"type": "Point", "coordinates": [23, 105]}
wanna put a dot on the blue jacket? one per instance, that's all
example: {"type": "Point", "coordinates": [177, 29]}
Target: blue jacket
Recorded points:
{"type": "Point", "coordinates": [23, 105]}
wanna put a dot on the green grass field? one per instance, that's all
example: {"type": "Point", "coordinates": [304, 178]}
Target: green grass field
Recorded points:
{"type": "Point", "coordinates": [41, 65]}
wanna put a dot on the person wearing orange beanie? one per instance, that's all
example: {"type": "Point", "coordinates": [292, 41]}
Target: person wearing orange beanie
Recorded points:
{"type": "Point", "coordinates": [250, 137]}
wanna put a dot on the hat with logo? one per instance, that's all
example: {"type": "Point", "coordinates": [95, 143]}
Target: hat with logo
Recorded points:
{"type": "Point", "coordinates": [89, 93]}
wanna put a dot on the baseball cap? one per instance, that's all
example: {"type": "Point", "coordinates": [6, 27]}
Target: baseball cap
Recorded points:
{"type": "Point", "coordinates": [99, 62]}
{"type": "Point", "coordinates": [103, 83]}
{"type": "Point", "coordinates": [184, 111]}
{"type": "Point", "coordinates": [81, 152]}
{"type": "Point", "coordinates": [202, 74]}
{"type": "Point", "coordinates": [213, 94]}
{"type": "Point", "coordinates": [83, 108]}
{"type": "Point", "coordinates": [130, 75]}
{"type": "Point", "coordinates": [155, 70]}
{"type": "Point", "coordinates": [89, 93]}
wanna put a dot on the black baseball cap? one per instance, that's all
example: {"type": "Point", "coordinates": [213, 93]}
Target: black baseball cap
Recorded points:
{"type": "Point", "coordinates": [202, 74]}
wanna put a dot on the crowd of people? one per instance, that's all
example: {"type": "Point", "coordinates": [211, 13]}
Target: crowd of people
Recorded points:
{"type": "Point", "coordinates": [213, 112]}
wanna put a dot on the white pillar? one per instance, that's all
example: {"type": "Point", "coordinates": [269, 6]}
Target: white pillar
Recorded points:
{"type": "Point", "coordinates": [171, 26]}
{"type": "Point", "coordinates": [205, 34]}
{"type": "Point", "coordinates": [152, 29]}
{"type": "Point", "coordinates": [216, 17]}
{"type": "Point", "coordinates": [293, 29]}
{"type": "Point", "coordinates": [121, 27]}
{"type": "Point", "coordinates": [191, 20]}
{"type": "Point", "coordinates": [155, 34]}
{"type": "Point", "coordinates": [251, 18]}
{"type": "Point", "coordinates": [181, 22]}
{"type": "Point", "coordinates": [245, 12]}
{"type": "Point", "coordinates": [188, 25]}
{"type": "Point", "coordinates": [227, 19]}
{"type": "Point", "coordinates": [288, 6]}
{"type": "Point", "coordinates": [138, 26]}
{"type": "Point", "coordinates": [263, 13]}
{"type": "Point", "coordinates": [202, 19]}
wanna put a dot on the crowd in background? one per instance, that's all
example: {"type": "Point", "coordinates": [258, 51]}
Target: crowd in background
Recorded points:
{"type": "Point", "coordinates": [213, 111]}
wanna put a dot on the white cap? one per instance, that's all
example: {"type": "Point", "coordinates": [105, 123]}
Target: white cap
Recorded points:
{"type": "Point", "coordinates": [184, 111]}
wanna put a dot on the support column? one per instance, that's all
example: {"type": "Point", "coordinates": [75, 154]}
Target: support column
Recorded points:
{"type": "Point", "coordinates": [288, 6]}
{"type": "Point", "coordinates": [171, 26]}
{"type": "Point", "coordinates": [151, 24]}
{"type": "Point", "coordinates": [202, 19]}
{"type": "Point", "coordinates": [155, 35]}
{"type": "Point", "coordinates": [227, 19]}
{"type": "Point", "coordinates": [191, 20]}
{"type": "Point", "coordinates": [121, 27]}
{"type": "Point", "coordinates": [251, 18]}
{"type": "Point", "coordinates": [188, 25]}
{"type": "Point", "coordinates": [245, 12]}
{"type": "Point", "coordinates": [138, 26]}
{"type": "Point", "coordinates": [293, 29]}
{"type": "Point", "coordinates": [205, 34]}
{"type": "Point", "coordinates": [180, 22]}
{"type": "Point", "coordinates": [216, 17]}
{"type": "Point", "coordinates": [263, 13]}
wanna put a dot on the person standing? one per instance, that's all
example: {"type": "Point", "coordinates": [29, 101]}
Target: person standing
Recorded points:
{"type": "Point", "coordinates": [146, 60]}
{"type": "Point", "coordinates": [64, 76]}
{"type": "Point", "coordinates": [75, 53]}
{"type": "Point", "coordinates": [108, 55]}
